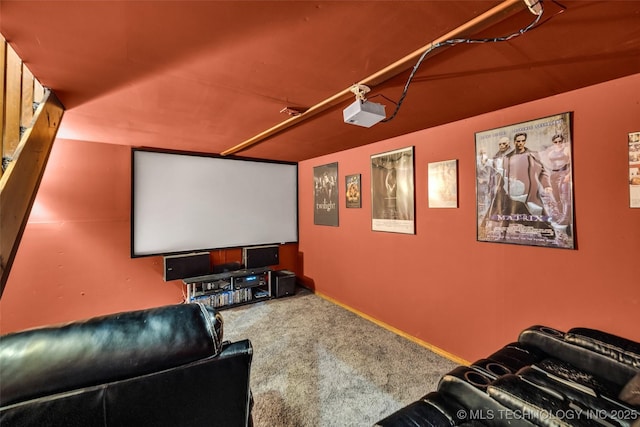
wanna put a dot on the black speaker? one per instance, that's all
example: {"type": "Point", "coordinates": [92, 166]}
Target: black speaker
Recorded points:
{"type": "Point", "coordinates": [187, 265]}
{"type": "Point", "coordinates": [284, 283]}
{"type": "Point", "coordinates": [261, 256]}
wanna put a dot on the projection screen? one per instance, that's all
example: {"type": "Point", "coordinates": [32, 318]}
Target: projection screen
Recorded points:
{"type": "Point", "coordinates": [183, 202]}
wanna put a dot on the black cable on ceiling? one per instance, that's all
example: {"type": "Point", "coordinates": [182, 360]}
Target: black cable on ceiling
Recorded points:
{"type": "Point", "coordinates": [452, 42]}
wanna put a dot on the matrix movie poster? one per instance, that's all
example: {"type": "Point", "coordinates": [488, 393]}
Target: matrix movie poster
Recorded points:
{"type": "Point", "coordinates": [524, 183]}
{"type": "Point", "coordinates": [325, 201]}
{"type": "Point", "coordinates": [392, 192]}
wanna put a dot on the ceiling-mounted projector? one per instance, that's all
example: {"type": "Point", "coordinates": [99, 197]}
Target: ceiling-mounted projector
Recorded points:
{"type": "Point", "coordinates": [363, 113]}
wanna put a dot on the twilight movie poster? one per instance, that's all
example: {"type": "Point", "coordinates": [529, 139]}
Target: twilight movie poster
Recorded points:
{"type": "Point", "coordinates": [325, 200]}
{"type": "Point", "coordinates": [524, 183]}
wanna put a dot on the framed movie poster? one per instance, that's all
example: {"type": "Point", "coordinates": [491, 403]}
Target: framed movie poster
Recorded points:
{"type": "Point", "coordinates": [524, 183]}
{"type": "Point", "coordinates": [392, 192]}
{"type": "Point", "coordinates": [634, 170]}
{"type": "Point", "coordinates": [352, 191]}
{"type": "Point", "coordinates": [325, 201]}
{"type": "Point", "coordinates": [443, 184]}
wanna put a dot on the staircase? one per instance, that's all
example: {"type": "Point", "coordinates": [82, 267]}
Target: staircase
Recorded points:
{"type": "Point", "coordinates": [29, 120]}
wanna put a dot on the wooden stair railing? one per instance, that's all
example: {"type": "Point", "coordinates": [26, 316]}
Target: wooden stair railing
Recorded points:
{"type": "Point", "coordinates": [29, 120]}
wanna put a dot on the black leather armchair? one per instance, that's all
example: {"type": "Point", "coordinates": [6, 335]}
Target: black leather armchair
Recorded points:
{"type": "Point", "coordinates": [164, 366]}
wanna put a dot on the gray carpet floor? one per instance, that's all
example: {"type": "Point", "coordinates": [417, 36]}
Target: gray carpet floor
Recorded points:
{"type": "Point", "coordinates": [318, 364]}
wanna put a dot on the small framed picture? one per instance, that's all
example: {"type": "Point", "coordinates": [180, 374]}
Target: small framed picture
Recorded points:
{"type": "Point", "coordinates": [443, 184]}
{"type": "Point", "coordinates": [352, 191]}
{"type": "Point", "coordinates": [634, 170]}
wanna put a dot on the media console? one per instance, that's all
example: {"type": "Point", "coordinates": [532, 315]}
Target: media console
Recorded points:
{"type": "Point", "coordinates": [230, 289]}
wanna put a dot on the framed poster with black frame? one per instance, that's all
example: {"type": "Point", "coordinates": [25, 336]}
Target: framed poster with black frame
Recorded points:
{"type": "Point", "coordinates": [524, 183]}
{"type": "Point", "coordinates": [325, 200]}
{"type": "Point", "coordinates": [392, 191]}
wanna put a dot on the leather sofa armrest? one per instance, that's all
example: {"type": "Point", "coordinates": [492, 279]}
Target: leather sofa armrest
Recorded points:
{"type": "Point", "coordinates": [613, 346]}
{"type": "Point", "coordinates": [581, 399]}
{"type": "Point", "coordinates": [562, 371]}
{"type": "Point", "coordinates": [576, 351]}
{"type": "Point", "coordinates": [542, 408]}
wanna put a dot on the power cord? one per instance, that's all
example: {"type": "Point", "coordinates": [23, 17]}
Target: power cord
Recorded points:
{"type": "Point", "coordinates": [452, 42]}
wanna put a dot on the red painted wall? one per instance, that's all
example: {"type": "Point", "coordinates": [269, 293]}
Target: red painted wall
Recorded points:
{"type": "Point", "coordinates": [440, 285]}
{"type": "Point", "coordinates": [470, 298]}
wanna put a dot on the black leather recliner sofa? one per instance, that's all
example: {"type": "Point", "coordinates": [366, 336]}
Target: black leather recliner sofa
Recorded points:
{"type": "Point", "coordinates": [163, 366]}
{"type": "Point", "coordinates": [583, 377]}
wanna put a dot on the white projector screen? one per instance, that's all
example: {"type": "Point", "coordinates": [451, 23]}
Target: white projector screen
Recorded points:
{"type": "Point", "coordinates": [184, 202]}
